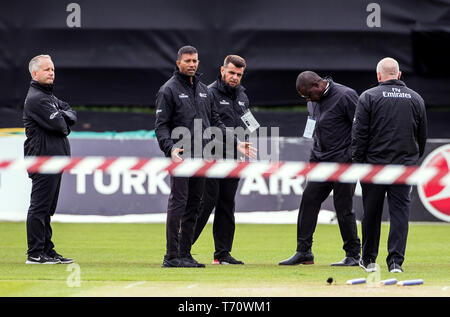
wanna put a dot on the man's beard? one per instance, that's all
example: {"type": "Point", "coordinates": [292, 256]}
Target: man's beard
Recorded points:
{"type": "Point", "coordinates": [228, 85]}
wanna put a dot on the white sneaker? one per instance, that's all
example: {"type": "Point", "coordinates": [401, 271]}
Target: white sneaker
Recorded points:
{"type": "Point", "coordinates": [42, 259]}
{"type": "Point", "coordinates": [368, 267]}
{"type": "Point", "coordinates": [395, 268]}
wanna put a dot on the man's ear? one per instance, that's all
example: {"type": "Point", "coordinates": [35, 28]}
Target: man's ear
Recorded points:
{"type": "Point", "coordinates": [178, 63]}
{"type": "Point", "coordinates": [222, 70]}
{"type": "Point", "coordinates": [399, 75]}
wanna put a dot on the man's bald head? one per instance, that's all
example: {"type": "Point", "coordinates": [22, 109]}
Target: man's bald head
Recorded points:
{"type": "Point", "coordinates": [388, 69]}
{"type": "Point", "coordinates": [307, 79]}
{"type": "Point", "coordinates": [310, 85]}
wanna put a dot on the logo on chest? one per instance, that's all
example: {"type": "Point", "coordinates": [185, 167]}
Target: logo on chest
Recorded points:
{"type": "Point", "coordinates": [181, 96]}
{"type": "Point", "coordinates": [241, 103]}
{"type": "Point", "coordinates": [203, 95]}
{"type": "Point", "coordinates": [224, 102]}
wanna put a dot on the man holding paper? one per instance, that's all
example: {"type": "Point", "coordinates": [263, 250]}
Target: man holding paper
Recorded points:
{"type": "Point", "coordinates": [181, 103]}
{"type": "Point", "coordinates": [232, 104]}
{"type": "Point", "coordinates": [331, 108]}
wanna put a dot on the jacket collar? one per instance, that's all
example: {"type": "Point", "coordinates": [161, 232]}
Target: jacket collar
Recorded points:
{"type": "Point", "coordinates": [396, 82]}
{"type": "Point", "coordinates": [187, 79]}
{"type": "Point", "coordinates": [329, 88]}
{"type": "Point", "coordinates": [46, 88]}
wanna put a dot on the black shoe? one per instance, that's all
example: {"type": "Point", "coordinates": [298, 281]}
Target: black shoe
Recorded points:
{"type": "Point", "coordinates": [299, 258]}
{"type": "Point", "coordinates": [41, 259]}
{"type": "Point", "coordinates": [62, 259]}
{"type": "Point", "coordinates": [368, 265]}
{"type": "Point", "coordinates": [189, 261]}
{"type": "Point", "coordinates": [195, 262]}
{"type": "Point", "coordinates": [395, 268]}
{"type": "Point", "coordinates": [227, 260]}
{"type": "Point", "coordinates": [348, 261]}
{"type": "Point", "coordinates": [173, 262]}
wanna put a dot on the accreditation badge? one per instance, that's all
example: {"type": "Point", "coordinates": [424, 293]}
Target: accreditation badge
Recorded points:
{"type": "Point", "coordinates": [309, 128]}
{"type": "Point", "coordinates": [250, 121]}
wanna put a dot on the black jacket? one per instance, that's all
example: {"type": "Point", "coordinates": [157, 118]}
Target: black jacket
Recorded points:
{"type": "Point", "coordinates": [47, 120]}
{"type": "Point", "coordinates": [178, 103]}
{"type": "Point", "coordinates": [231, 103]}
{"type": "Point", "coordinates": [390, 125]}
{"type": "Point", "coordinates": [334, 117]}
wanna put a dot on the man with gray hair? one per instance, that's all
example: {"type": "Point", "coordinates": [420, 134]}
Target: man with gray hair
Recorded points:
{"type": "Point", "coordinates": [390, 127]}
{"type": "Point", "coordinates": [47, 122]}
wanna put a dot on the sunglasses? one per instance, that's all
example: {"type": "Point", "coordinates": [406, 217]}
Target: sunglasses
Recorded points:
{"type": "Point", "coordinates": [303, 96]}
{"type": "Point", "coordinates": [308, 95]}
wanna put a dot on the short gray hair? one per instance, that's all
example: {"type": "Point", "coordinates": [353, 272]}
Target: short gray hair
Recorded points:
{"type": "Point", "coordinates": [36, 62]}
{"type": "Point", "coordinates": [388, 66]}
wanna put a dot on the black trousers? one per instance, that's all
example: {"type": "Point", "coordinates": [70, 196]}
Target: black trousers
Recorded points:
{"type": "Point", "coordinates": [44, 198]}
{"type": "Point", "coordinates": [182, 213]}
{"type": "Point", "coordinates": [219, 194]}
{"type": "Point", "coordinates": [398, 197]}
{"type": "Point", "coordinates": [313, 196]}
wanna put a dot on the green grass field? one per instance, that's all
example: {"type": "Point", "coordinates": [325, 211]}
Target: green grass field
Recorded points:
{"type": "Point", "coordinates": [125, 260]}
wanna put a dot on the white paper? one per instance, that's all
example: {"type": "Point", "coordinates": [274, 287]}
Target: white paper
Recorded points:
{"type": "Point", "coordinates": [309, 128]}
{"type": "Point", "coordinates": [250, 121]}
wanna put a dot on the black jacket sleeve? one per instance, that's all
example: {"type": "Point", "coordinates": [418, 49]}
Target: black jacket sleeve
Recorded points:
{"type": "Point", "coordinates": [422, 130]}
{"type": "Point", "coordinates": [47, 116]}
{"type": "Point", "coordinates": [360, 130]}
{"type": "Point", "coordinates": [349, 102]}
{"type": "Point", "coordinates": [69, 115]}
{"type": "Point", "coordinates": [164, 110]}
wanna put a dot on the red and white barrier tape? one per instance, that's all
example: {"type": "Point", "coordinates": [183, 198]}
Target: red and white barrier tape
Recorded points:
{"type": "Point", "coordinates": [321, 172]}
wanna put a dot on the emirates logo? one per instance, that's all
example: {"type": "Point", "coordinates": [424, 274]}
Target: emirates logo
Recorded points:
{"type": "Point", "coordinates": [436, 197]}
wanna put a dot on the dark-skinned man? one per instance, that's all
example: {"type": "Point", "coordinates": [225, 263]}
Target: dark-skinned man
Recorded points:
{"type": "Point", "coordinates": [232, 102]}
{"type": "Point", "coordinates": [180, 101]}
{"type": "Point", "coordinates": [331, 109]}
